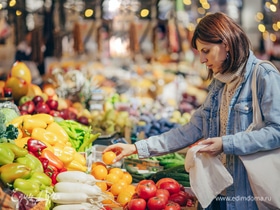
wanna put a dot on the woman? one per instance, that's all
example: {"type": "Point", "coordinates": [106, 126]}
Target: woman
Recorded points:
{"type": "Point", "coordinates": [222, 119]}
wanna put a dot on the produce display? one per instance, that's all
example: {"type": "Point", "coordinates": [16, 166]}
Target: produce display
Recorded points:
{"type": "Point", "coordinates": [46, 139]}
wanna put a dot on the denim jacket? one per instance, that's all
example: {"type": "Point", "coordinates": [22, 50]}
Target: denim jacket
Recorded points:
{"type": "Point", "coordinates": [205, 122]}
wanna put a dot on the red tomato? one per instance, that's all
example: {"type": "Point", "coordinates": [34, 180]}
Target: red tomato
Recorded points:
{"type": "Point", "coordinates": [146, 190]}
{"type": "Point", "coordinates": [137, 204]}
{"type": "Point", "coordinates": [178, 198]}
{"type": "Point", "coordinates": [172, 206]}
{"type": "Point", "coordinates": [172, 187]}
{"type": "Point", "coordinates": [167, 179]}
{"type": "Point", "coordinates": [156, 203]}
{"type": "Point", "coordinates": [146, 181]}
{"type": "Point", "coordinates": [163, 193]}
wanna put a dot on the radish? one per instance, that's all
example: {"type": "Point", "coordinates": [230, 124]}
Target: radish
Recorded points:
{"type": "Point", "coordinates": [82, 206]}
{"type": "Point", "coordinates": [74, 187]}
{"type": "Point", "coordinates": [69, 198]}
{"type": "Point", "coordinates": [76, 176]}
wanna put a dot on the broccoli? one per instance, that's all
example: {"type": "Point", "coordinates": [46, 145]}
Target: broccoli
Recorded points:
{"type": "Point", "coordinates": [7, 133]}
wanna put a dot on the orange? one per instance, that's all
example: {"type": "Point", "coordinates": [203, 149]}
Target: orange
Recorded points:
{"type": "Point", "coordinates": [124, 197]}
{"type": "Point", "coordinates": [108, 157]}
{"type": "Point", "coordinates": [99, 172]}
{"type": "Point", "coordinates": [117, 188]}
{"type": "Point", "coordinates": [127, 177]}
{"type": "Point", "coordinates": [97, 163]}
{"type": "Point", "coordinates": [102, 185]}
{"type": "Point", "coordinates": [122, 182]}
{"type": "Point", "coordinates": [20, 70]}
{"type": "Point", "coordinates": [111, 179]}
{"type": "Point", "coordinates": [109, 198]}
{"type": "Point", "coordinates": [117, 171]}
{"type": "Point", "coordinates": [130, 189]}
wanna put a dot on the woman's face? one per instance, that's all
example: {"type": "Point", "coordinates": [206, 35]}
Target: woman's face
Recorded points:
{"type": "Point", "coordinates": [212, 54]}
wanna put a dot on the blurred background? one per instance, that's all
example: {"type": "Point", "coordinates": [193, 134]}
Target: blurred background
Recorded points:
{"type": "Point", "coordinates": [47, 31]}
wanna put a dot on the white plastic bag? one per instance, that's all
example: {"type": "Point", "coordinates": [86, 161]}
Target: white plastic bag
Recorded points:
{"type": "Point", "coordinates": [208, 176]}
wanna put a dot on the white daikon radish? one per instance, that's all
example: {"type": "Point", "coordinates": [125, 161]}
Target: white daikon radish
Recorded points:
{"type": "Point", "coordinates": [82, 206]}
{"type": "Point", "coordinates": [76, 176]}
{"type": "Point", "coordinates": [69, 198]}
{"type": "Point", "coordinates": [75, 187]}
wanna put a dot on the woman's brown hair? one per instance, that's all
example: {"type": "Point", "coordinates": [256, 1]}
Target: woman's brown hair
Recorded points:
{"type": "Point", "coordinates": [219, 28]}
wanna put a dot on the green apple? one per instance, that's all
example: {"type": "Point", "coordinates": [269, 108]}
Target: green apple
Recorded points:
{"type": "Point", "coordinates": [24, 99]}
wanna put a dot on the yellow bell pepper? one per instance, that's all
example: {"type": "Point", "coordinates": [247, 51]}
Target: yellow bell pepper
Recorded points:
{"type": "Point", "coordinates": [21, 142]}
{"type": "Point", "coordinates": [17, 122]}
{"type": "Point", "coordinates": [59, 131]}
{"type": "Point", "coordinates": [80, 158]}
{"type": "Point", "coordinates": [20, 134]}
{"type": "Point", "coordinates": [64, 153]}
{"type": "Point", "coordinates": [30, 123]}
{"type": "Point", "coordinates": [47, 118]}
{"type": "Point", "coordinates": [44, 135]}
{"type": "Point", "coordinates": [76, 166]}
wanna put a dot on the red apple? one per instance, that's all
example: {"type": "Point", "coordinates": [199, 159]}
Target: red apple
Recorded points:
{"type": "Point", "coordinates": [64, 114]}
{"type": "Point", "coordinates": [55, 113]}
{"type": "Point", "coordinates": [42, 108]}
{"type": "Point", "coordinates": [72, 115]}
{"type": "Point", "coordinates": [28, 107]}
{"type": "Point", "coordinates": [83, 120]}
{"type": "Point", "coordinates": [52, 103]}
{"type": "Point", "coordinates": [37, 99]}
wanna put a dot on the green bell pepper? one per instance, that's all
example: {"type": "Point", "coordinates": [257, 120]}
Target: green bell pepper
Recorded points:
{"type": "Point", "coordinates": [41, 178]}
{"type": "Point", "coordinates": [31, 161]}
{"type": "Point", "coordinates": [28, 187]}
{"type": "Point", "coordinates": [18, 151]}
{"type": "Point", "coordinates": [12, 171]}
{"type": "Point", "coordinates": [6, 155]}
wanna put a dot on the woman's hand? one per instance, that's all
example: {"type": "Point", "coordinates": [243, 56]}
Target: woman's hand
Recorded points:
{"type": "Point", "coordinates": [215, 146]}
{"type": "Point", "coordinates": [122, 150]}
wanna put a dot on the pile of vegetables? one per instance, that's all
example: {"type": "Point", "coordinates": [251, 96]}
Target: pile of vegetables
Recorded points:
{"type": "Point", "coordinates": [164, 162]}
{"type": "Point", "coordinates": [165, 194]}
{"type": "Point", "coordinates": [23, 174]}
{"type": "Point", "coordinates": [77, 190]}
{"type": "Point", "coordinates": [80, 136]}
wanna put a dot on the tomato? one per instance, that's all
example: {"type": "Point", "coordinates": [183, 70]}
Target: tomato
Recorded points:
{"type": "Point", "coordinates": [163, 193]}
{"type": "Point", "coordinates": [178, 198]}
{"type": "Point", "coordinates": [156, 203]}
{"type": "Point", "coordinates": [146, 181]}
{"type": "Point", "coordinates": [145, 189]}
{"type": "Point", "coordinates": [137, 204]}
{"type": "Point", "coordinates": [167, 179]}
{"type": "Point", "coordinates": [172, 187]}
{"type": "Point", "coordinates": [172, 206]}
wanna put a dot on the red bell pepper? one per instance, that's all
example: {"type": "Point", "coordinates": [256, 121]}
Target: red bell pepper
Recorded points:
{"type": "Point", "coordinates": [52, 172]}
{"type": "Point", "coordinates": [45, 162]}
{"type": "Point", "coordinates": [53, 159]}
{"type": "Point", "coordinates": [35, 146]}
